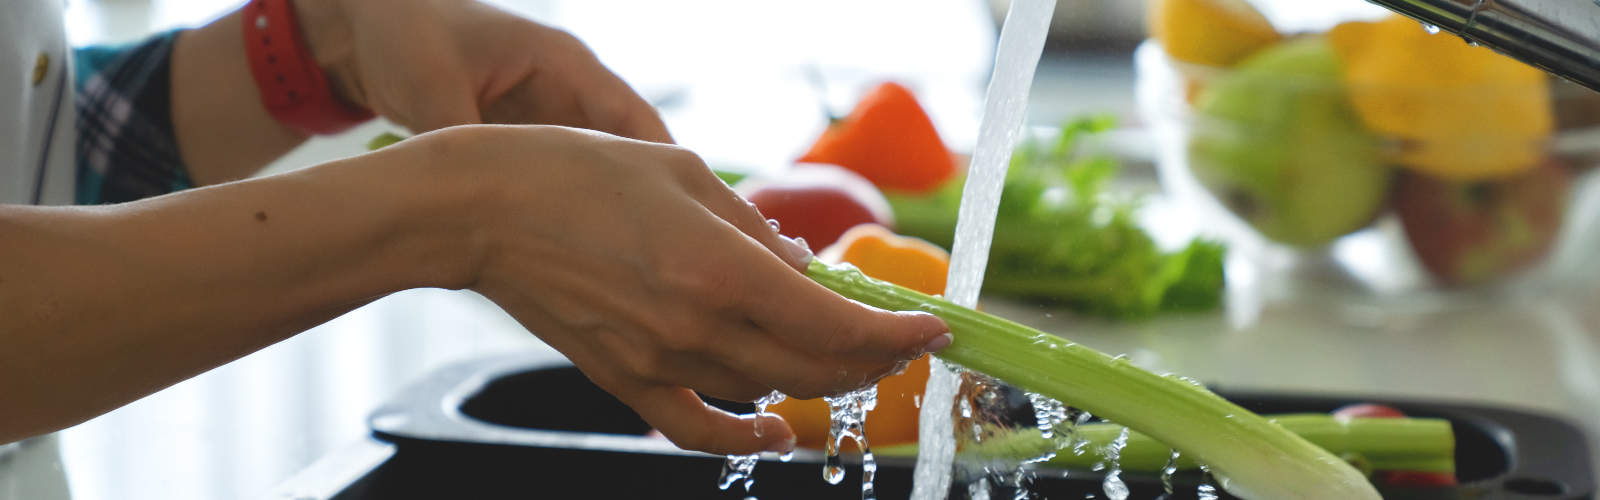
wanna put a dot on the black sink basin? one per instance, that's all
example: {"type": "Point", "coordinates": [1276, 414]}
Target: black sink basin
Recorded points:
{"type": "Point", "coordinates": [534, 427]}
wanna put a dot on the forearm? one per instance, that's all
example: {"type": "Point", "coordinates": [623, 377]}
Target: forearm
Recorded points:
{"type": "Point", "coordinates": [224, 132]}
{"type": "Point", "coordinates": [100, 306]}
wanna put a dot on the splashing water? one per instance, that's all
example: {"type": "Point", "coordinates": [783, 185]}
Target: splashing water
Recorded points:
{"type": "Point", "coordinates": [1167, 472]}
{"type": "Point", "coordinates": [1016, 57]}
{"type": "Point", "coordinates": [1114, 487]}
{"type": "Point", "coordinates": [1206, 491]}
{"type": "Point", "coordinates": [848, 413]}
{"type": "Point", "coordinates": [978, 490]}
{"type": "Point", "coordinates": [1047, 414]}
{"type": "Point", "coordinates": [743, 467]}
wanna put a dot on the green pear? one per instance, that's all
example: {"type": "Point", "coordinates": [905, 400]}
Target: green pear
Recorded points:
{"type": "Point", "coordinates": [1278, 143]}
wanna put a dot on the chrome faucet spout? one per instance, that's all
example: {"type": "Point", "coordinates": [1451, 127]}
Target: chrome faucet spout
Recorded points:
{"type": "Point", "coordinates": [1559, 36]}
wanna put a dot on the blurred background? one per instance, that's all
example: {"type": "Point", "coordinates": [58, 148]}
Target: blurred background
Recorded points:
{"type": "Point", "coordinates": [1357, 315]}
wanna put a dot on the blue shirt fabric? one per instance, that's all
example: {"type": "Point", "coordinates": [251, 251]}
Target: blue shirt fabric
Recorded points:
{"type": "Point", "coordinates": [127, 148]}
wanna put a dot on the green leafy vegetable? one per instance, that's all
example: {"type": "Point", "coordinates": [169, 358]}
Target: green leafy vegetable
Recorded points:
{"type": "Point", "coordinates": [1061, 238]}
{"type": "Point", "coordinates": [1254, 457]}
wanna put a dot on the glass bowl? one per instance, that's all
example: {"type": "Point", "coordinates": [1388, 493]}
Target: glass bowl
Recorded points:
{"type": "Point", "coordinates": [1299, 192]}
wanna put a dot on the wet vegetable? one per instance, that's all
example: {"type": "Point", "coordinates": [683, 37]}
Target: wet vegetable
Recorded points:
{"type": "Point", "coordinates": [1251, 456]}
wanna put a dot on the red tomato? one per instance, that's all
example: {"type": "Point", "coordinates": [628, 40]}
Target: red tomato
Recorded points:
{"type": "Point", "coordinates": [817, 202]}
{"type": "Point", "coordinates": [1416, 479]}
{"type": "Point", "coordinates": [1368, 410]}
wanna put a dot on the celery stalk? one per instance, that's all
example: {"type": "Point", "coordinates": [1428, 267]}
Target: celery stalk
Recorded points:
{"type": "Point", "coordinates": [1251, 456]}
{"type": "Point", "coordinates": [1408, 444]}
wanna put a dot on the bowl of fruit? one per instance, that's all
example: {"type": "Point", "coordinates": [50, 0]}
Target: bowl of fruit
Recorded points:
{"type": "Point", "coordinates": [1410, 160]}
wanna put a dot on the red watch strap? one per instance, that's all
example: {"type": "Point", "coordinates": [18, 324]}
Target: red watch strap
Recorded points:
{"type": "Point", "coordinates": [293, 88]}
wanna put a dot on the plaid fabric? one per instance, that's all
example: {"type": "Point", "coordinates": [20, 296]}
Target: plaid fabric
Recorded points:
{"type": "Point", "coordinates": [127, 148]}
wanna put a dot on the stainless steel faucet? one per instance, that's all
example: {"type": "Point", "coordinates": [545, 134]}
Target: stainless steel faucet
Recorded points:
{"type": "Point", "coordinates": [1559, 36]}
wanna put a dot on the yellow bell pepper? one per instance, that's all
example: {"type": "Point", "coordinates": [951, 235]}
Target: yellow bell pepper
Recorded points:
{"type": "Point", "coordinates": [1450, 109]}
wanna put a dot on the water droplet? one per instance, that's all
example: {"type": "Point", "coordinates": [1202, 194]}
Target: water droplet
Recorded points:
{"type": "Point", "coordinates": [848, 413]}
{"type": "Point", "coordinates": [1168, 471]}
{"type": "Point", "coordinates": [978, 490]}
{"type": "Point", "coordinates": [966, 408]}
{"type": "Point", "coordinates": [1113, 485]}
{"type": "Point", "coordinates": [833, 469]}
{"type": "Point", "coordinates": [1206, 491]}
{"type": "Point", "coordinates": [743, 467]}
{"type": "Point", "coordinates": [1430, 28]}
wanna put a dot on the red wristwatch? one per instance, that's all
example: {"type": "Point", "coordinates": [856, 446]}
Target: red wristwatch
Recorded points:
{"type": "Point", "coordinates": [292, 86]}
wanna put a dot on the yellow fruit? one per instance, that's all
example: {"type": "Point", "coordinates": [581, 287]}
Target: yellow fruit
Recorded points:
{"type": "Point", "coordinates": [1450, 109]}
{"type": "Point", "coordinates": [1209, 32]}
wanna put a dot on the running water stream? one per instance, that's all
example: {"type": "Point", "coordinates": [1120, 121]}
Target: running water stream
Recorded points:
{"type": "Point", "coordinates": [1016, 57]}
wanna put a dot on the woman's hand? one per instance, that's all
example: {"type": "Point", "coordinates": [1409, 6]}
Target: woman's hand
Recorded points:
{"type": "Point", "coordinates": [654, 278]}
{"type": "Point", "coordinates": [429, 64]}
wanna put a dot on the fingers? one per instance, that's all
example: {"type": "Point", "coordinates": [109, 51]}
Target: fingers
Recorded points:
{"type": "Point", "coordinates": [727, 205]}
{"type": "Point", "coordinates": [640, 121]}
{"type": "Point", "coordinates": [814, 319]}
{"type": "Point", "coordinates": [758, 356]}
{"type": "Point", "coordinates": [692, 424]}
{"type": "Point", "coordinates": [434, 96]}
{"type": "Point", "coordinates": [713, 379]}
{"type": "Point", "coordinates": [803, 314]}
{"type": "Point", "coordinates": [444, 104]}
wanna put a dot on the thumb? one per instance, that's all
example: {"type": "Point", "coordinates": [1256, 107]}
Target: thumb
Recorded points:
{"type": "Point", "coordinates": [441, 104]}
{"type": "Point", "coordinates": [434, 96]}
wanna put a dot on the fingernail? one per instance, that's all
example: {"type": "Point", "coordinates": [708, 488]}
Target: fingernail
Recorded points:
{"type": "Point", "coordinates": [938, 343]}
{"type": "Point", "coordinates": [799, 252]}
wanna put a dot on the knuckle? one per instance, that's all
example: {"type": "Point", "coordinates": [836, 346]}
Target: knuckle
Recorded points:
{"type": "Point", "coordinates": [646, 366]}
{"type": "Point", "coordinates": [682, 159]}
{"type": "Point", "coordinates": [707, 285]}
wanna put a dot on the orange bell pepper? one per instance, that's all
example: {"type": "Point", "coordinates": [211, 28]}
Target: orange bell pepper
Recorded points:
{"type": "Point", "coordinates": [908, 262]}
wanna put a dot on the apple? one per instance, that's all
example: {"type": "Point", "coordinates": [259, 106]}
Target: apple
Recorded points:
{"type": "Point", "coordinates": [1276, 141]}
{"type": "Point", "coordinates": [818, 202]}
{"type": "Point", "coordinates": [1472, 232]}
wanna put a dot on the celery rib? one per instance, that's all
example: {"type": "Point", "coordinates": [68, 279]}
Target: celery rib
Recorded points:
{"type": "Point", "coordinates": [1408, 444]}
{"type": "Point", "coordinates": [1252, 457]}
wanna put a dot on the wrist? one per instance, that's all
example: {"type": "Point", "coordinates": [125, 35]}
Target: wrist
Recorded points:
{"type": "Point", "coordinates": [441, 209]}
{"type": "Point", "coordinates": [325, 28]}
{"type": "Point", "coordinates": [290, 77]}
